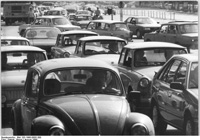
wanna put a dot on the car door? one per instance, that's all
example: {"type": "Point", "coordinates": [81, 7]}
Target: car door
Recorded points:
{"type": "Point", "coordinates": [29, 101]}
{"type": "Point", "coordinates": [171, 35]}
{"type": "Point", "coordinates": [161, 34]}
{"type": "Point", "coordinates": [162, 90]}
{"type": "Point", "coordinates": [176, 97]}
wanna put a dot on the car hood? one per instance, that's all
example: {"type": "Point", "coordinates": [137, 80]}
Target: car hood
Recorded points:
{"type": "Point", "coordinates": [109, 58]}
{"type": "Point", "coordinates": [15, 78]}
{"type": "Point", "coordinates": [68, 26]}
{"type": "Point", "coordinates": [43, 42]}
{"type": "Point", "coordinates": [194, 92]}
{"type": "Point", "coordinates": [195, 35]}
{"type": "Point", "coordinates": [69, 49]}
{"type": "Point", "coordinates": [148, 71]}
{"type": "Point", "coordinates": [149, 25]}
{"type": "Point", "coordinates": [93, 114]}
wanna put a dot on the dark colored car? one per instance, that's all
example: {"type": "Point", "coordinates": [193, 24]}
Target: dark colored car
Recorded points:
{"type": "Point", "coordinates": [81, 20]}
{"type": "Point", "coordinates": [137, 63]}
{"type": "Point", "coordinates": [175, 95]}
{"type": "Point", "coordinates": [76, 98]}
{"type": "Point", "coordinates": [139, 25]}
{"type": "Point", "coordinates": [42, 37]}
{"type": "Point", "coordinates": [184, 33]}
{"type": "Point", "coordinates": [66, 42]}
{"type": "Point", "coordinates": [110, 28]}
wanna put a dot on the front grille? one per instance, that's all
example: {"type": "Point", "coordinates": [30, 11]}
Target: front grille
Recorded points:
{"type": "Point", "coordinates": [12, 94]}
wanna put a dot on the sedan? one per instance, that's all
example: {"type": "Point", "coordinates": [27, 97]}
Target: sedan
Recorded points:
{"type": "Point", "coordinates": [14, 40]}
{"type": "Point", "coordinates": [81, 20]}
{"type": "Point", "coordinates": [66, 42]}
{"type": "Point", "coordinates": [175, 95]}
{"type": "Point", "coordinates": [64, 99]}
{"type": "Point", "coordinates": [60, 22]}
{"type": "Point", "coordinates": [42, 37]}
{"type": "Point", "coordinates": [105, 48]}
{"type": "Point", "coordinates": [139, 25]}
{"type": "Point", "coordinates": [137, 64]}
{"type": "Point", "coordinates": [15, 61]}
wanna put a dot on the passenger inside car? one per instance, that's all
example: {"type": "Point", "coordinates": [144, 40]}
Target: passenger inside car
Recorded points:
{"type": "Point", "coordinates": [140, 59]}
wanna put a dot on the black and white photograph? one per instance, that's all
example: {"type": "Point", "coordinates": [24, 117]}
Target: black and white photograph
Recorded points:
{"type": "Point", "coordinates": [99, 68]}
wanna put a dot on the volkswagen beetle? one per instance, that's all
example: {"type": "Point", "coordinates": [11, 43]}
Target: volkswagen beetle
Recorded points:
{"type": "Point", "coordinates": [63, 100]}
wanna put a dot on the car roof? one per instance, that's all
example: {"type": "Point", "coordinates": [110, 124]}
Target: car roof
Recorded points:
{"type": "Point", "coordinates": [181, 22]}
{"type": "Point", "coordinates": [20, 48]}
{"type": "Point", "coordinates": [72, 62]}
{"type": "Point", "coordinates": [189, 57]}
{"type": "Point", "coordinates": [88, 38]}
{"type": "Point", "coordinates": [41, 27]}
{"type": "Point", "coordinates": [78, 32]}
{"type": "Point", "coordinates": [152, 44]}
{"type": "Point", "coordinates": [13, 38]}
{"type": "Point", "coordinates": [107, 21]}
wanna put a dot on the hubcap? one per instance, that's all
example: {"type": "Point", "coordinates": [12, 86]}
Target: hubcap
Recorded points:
{"type": "Point", "coordinates": [155, 116]}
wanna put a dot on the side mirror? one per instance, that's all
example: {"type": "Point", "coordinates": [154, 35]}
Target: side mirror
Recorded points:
{"type": "Point", "coordinates": [177, 85]}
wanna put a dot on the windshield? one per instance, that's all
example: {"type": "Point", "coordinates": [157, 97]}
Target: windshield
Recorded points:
{"type": "Point", "coordinates": [193, 77]}
{"type": "Point", "coordinates": [42, 33]}
{"type": "Point", "coordinates": [103, 47]}
{"type": "Point", "coordinates": [20, 60]}
{"type": "Point", "coordinates": [154, 57]}
{"type": "Point", "coordinates": [189, 28]}
{"type": "Point", "coordinates": [61, 21]}
{"type": "Point", "coordinates": [82, 81]}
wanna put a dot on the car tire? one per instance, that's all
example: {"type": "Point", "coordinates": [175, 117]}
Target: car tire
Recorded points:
{"type": "Point", "coordinates": [159, 124]}
{"type": "Point", "coordinates": [189, 126]}
{"type": "Point", "coordinates": [139, 34]}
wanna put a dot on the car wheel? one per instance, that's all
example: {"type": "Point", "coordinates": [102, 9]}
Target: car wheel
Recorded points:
{"type": "Point", "coordinates": [189, 126]}
{"type": "Point", "coordinates": [138, 34]}
{"type": "Point", "coordinates": [159, 124]}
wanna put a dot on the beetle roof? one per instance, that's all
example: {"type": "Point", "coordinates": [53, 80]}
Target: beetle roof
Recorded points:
{"type": "Point", "coordinates": [48, 65]}
{"type": "Point", "coordinates": [78, 32]}
{"type": "Point", "coordinates": [107, 21]}
{"type": "Point", "coordinates": [189, 57]}
{"type": "Point", "coordinates": [13, 38]}
{"type": "Point", "coordinates": [20, 48]}
{"type": "Point", "coordinates": [152, 44]}
{"type": "Point", "coordinates": [88, 38]}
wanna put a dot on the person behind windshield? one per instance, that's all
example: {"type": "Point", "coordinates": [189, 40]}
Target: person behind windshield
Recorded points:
{"type": "Point", "coordinates": [140, 59]}
{"type": "Point", "coordinates": [113, 48]}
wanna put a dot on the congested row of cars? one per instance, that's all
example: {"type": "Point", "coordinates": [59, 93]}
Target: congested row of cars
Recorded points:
{"type": "Point", "coordinates": [97, 81]}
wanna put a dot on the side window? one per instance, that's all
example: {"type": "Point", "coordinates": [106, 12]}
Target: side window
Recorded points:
{"type": "Point", "coordinates": [181, 73]}
{"type": "Point", "coordinates": [33, 84]}
{"type": "Point", "coordinates": [170, 72]}
{"type": "Point", "coordinates": [128, 20]}
{"type": "Point", "coordinates": [91, 25]}
{"type": "Point", "coordinates": [164, 29]}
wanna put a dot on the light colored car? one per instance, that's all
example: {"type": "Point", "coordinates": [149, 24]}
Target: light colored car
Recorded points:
{"type": "Point", "coordinates": [139, 25]}
{"type": "Point", "coordinates": [60, 22]}
{"type": "Point", "coordinates": [110, 28]}
{"type": "Point", "coordinates": [175, 95]}
{"type": "Point", "coordinates": [57, 11]}
{"type": "Point", "coordinates": [69, 103]}
{"type": "Point", "coordinates": [66, 42]}
{"type": "Point", "coordinates": [42, 37]}
{"type": "Point", "coordinates": [15, 62]}
{"type": "Point", "coordinates": [14, 40]}
{"type": "Point", "coordinates": [137, 64]}
{"type": "Point", "coordinates": [105, 48]}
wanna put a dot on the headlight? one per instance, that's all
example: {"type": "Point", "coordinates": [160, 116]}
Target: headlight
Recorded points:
{"type": "Point", "coordinates": [144, 82]}
{"type": "Point", "coordinates": [66, 54]}
{"type": "Point", "coordinates": [56, 131]}
{"type": "Point", "coordinates": [139, 129]}
{"type": "Point", "coordinates": [3, 98]}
